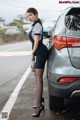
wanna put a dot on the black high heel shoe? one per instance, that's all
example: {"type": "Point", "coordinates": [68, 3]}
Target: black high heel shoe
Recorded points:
{"type": "Point", "coordinates": [42, 103]}
{"type": "Point", "coordinates": [39, 112]}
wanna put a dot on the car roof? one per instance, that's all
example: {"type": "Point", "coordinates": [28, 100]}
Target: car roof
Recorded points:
{"type": "Point", "coordinates": [71, 10]}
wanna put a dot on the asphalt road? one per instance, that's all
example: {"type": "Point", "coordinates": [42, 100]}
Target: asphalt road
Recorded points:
{"type": "Point", "coordinates": [12, 68]}
{"type": "Point", "coordinates": [13, 64]}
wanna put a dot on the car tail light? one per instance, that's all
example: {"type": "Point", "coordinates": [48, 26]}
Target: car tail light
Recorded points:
{"type": "Point", "coordinates": [63, 42]}
{"type": "Point", "coordinates": [68, 80]}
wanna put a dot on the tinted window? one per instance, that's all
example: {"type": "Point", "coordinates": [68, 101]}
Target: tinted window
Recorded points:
{"type": "Point", "coordinates": [72, 23]}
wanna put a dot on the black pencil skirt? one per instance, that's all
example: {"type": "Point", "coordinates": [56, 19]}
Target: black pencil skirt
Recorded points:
{"type": "Point", "coordinates": [40, 59]}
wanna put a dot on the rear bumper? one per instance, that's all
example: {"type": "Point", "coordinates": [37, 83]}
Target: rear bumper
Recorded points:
{"type": "Point", "coordinates": [68, 90]}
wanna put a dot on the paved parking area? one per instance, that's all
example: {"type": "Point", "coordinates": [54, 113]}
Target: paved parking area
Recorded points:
{"type": "Point", "coordinates": [22, 109]}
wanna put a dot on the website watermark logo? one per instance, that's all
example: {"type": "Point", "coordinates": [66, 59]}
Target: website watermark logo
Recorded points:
{"type": "Point", "coordinates": [69, 2]}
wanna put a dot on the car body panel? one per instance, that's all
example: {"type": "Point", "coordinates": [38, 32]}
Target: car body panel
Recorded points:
{"type": "Point", "coordinates": [64, 62]}
{"type": "Point", "coordinates": [73, 31]}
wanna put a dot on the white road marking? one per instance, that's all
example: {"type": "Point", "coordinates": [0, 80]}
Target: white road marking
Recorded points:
{"type": "Point", "coordinates": [4, 115]}
{"type": "Point", "coordinates": [15, 53]}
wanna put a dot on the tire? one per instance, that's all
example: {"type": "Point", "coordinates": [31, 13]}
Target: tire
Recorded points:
{"type": "Point", "coordinates": [56, 103]}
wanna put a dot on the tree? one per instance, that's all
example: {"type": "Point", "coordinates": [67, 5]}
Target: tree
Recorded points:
{"type": "Point", "coordinates": [19, 24]}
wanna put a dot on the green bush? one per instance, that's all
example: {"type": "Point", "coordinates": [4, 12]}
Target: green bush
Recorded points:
{"type": "Point", "coordinates": [2, 31]}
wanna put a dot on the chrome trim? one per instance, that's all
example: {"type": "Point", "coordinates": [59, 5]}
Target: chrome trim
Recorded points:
{"type": "Point", "coordinates": [76, 91]}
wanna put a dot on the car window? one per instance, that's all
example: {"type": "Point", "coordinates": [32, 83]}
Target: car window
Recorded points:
{"type": "Point", "coordinates": [72, 22]}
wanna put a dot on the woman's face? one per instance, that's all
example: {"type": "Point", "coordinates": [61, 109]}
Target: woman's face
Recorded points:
{"type": "Point", "coordinates": [31, 17]}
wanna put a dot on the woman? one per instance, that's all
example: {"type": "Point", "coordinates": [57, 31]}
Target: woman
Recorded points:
{"type": "Point", "coordinates": [39, 53]}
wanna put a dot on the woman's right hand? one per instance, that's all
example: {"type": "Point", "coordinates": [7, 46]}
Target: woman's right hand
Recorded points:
{"type": "Point", "coordinates": [32, 56]}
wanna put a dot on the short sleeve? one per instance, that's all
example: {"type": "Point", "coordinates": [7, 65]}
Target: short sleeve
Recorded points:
{"type": "Point", "coordinates": [37, 29]}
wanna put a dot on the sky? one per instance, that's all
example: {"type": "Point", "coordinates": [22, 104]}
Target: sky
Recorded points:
{"type": "Point", "coordinates": [48, 10]}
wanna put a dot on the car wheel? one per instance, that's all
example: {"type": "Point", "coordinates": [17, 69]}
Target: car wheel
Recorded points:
{"type": "Point", "coordinates": [56, 103]}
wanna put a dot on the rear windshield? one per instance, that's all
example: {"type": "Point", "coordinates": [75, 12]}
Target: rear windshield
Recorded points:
{"type": "Point", "coordinates": [72, 22]}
